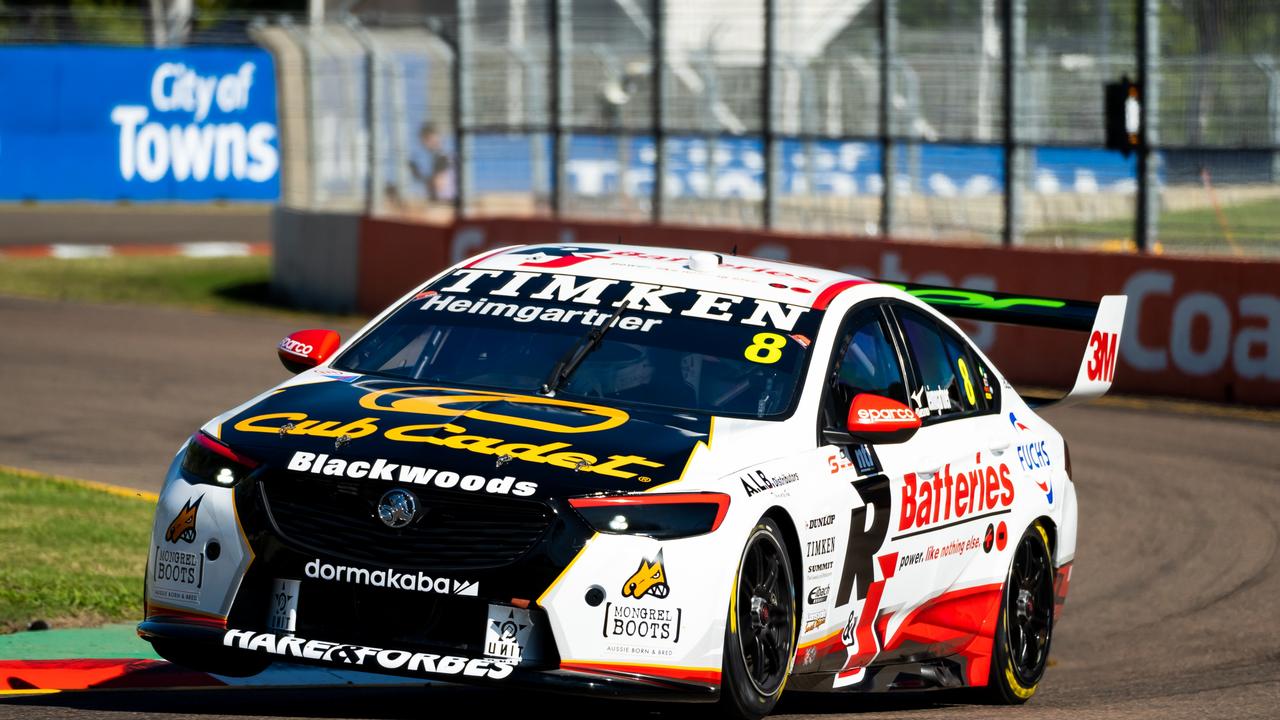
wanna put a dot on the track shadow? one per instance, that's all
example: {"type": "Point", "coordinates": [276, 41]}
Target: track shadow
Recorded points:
{"type": "Point", "coordinates": [405, 703]}
{"type": "Point", "coordinates": [257, 294]}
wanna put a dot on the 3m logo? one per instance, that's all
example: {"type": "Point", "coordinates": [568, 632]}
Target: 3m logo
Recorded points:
{"type": "Point", "coordinates": [1102, 366]}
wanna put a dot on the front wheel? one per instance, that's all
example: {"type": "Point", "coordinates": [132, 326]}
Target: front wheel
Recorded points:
{"type": "Point", "coordinates": [760, 640]}
{"type": "Point", "coordinates": [1021, 650]}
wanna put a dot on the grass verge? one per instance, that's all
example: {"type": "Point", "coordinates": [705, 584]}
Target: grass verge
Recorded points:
{"type": "Point", "coordinates": [237, 283]}
{"type": "Point", "coordinates": [1253, 227]}
{"type": "Point", "coordinates": [69, 555]}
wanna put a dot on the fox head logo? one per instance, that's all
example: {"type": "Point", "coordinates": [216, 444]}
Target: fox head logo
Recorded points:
{"type": "Point", "coordinates": [649, 579]}
{"type": "Point", "coordinates": [183, 526]}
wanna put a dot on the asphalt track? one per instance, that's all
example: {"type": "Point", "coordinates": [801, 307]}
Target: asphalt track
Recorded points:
{"type": "Point", "coordinates": [135, 224]}
{"type": "Point", "coordinates": [1173, 610]}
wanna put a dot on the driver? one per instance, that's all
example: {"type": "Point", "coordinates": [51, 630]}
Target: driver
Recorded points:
{"type": "Point", "coordinates": [633, 372]}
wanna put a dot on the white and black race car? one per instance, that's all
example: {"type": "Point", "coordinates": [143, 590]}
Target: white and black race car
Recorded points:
{"type": "Point", "coordinates": [639, 472]}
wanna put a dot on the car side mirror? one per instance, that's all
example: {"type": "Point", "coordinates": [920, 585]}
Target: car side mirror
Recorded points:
{"type": "Point", "coordinates": [875, 420]}
{"type": "Point", "coordinates": [306, 349]}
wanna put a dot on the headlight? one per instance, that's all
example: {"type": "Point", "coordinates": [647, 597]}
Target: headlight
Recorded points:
{"type": "Point", "coordinates": [212, 463]}
{"type": "Point", "coordinates": [663, 516]}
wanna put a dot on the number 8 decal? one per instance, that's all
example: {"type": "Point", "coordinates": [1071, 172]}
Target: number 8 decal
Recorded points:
{"type": "Point", "coordinates": [765, 348]}
{"type": "Point", "coordinates": [968, 384]}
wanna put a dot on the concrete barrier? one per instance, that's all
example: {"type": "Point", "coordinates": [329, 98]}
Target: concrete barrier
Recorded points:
{"type": "Point", "coordinates": [314, 260]}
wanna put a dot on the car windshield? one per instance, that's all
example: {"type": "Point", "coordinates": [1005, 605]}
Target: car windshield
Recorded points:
{"type": "Point", "coordinates": [674, 348]}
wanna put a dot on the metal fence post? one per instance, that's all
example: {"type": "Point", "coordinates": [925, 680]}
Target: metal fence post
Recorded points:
{"type": "Point", "coordinates": [561, 100]}
{"type": "Point", "coordinates": [302, 41]}
{"type": "Point", "coordinates": [888, 152]}
{"type": "Point", "coordinates": [658, 50]}
{"type": "Point", "coordinates": [462, 110]}
{"type": "Point", "coordinates": [1267, 64]}
{"type": "Point", "coordinates": [768, 93]}
{"type": "Point", "coordinates": [373, 102]}
{"type": "Point", "coordinates": [1015, 152]}
{"type": "Point", "coordinates": [1148, 201]}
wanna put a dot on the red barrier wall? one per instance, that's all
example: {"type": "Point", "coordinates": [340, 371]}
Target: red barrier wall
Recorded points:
{"type": "Point", "coordinates": [393, 257]}
{"type": "Point", "coordinates": [1203, 328]}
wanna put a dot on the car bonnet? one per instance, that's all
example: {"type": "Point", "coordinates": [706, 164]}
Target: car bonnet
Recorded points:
{"type": "Point", "coordinates": [402, 431]}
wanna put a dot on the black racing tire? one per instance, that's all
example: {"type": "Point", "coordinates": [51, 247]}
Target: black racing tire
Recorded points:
{"type": "Point", "coordinates": [1025, 628]}
{"type": "Point", "coordinates": [214, 660]}
{"type": "Point", "coordinates": [759, 642]}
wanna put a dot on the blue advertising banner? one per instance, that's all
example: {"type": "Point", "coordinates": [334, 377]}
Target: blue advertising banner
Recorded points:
{"type": "Point", "coordinates": [823, 168]}
{"type": "Point", "coordinates": [107, 123]}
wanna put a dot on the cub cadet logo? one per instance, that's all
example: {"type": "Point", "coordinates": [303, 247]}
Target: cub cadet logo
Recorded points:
{"type": "Point", "coordinates": [447, 434]}
{"type": "Point", "coordinates": [290, 345]}
{"type": "Point", "coordinates": [954, 497]}
{"type": "Point", "coordinates": [443, 405]}
{"type": "Point", "coordinates": [183, 526]}
{"type": "Point", "coordinates": [885, 415]}
{"type": "Point", "coordinates": [649, 579]}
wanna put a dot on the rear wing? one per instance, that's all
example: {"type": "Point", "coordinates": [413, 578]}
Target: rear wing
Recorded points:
{"type": "Point", "coordinates": [1103, 321]}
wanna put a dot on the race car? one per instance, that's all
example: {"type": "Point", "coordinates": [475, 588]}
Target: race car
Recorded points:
{"type": "Point", "coordinates": [638, 472]}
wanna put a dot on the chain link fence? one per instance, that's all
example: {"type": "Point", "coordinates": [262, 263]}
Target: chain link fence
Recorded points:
{"type": "Point", "coordinates": [956, 120]}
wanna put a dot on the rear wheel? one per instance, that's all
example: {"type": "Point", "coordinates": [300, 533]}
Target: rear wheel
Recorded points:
{"type": "Point", "coordinates": [1021, 650]}
{"type": "Point", "coordinates": [760, 639]}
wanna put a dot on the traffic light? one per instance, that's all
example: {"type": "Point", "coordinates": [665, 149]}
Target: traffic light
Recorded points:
{"type": "Point", "coordinates": [1122, 106]}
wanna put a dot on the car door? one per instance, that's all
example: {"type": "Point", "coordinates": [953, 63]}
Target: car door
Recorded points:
{"type": "Point", "coordinates": [866, 360]}
{"type": "Point", "coordinates": [951, 486]}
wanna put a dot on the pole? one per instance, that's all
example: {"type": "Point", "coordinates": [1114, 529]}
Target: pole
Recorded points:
{"type": "Point", "coordinates": [768, 101]}
{"type": "Point", "coordinates": [561, 101]}
{"type": "Point", "coordinates": [658, 81]}
{"type": "Point", "coordinates": [888, 50]}
{"type": "Point", "coordinates": [374, 91]}
{"type": "Point", "coordinates": [462, 111]}
{"type": "Point", "coordinates": [1148, 200]}
{"type": "Point", "coordinates": [1014, 17]}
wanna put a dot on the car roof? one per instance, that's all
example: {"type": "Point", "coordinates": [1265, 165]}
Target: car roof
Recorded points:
{"type": "Point", "coordinates": [749, 277]}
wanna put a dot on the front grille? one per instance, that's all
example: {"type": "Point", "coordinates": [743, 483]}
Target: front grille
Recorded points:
{"type": "Point", "coordinates": [337, 517]}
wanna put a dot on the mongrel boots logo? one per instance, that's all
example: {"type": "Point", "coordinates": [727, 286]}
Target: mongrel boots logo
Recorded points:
{"type": "Point", "coordinates": [649, 579]}
{"type": "Point", "coordinates": [198, 149]}
{"type": "Point", "coordinates": [391, 579]}
{"type": "Point", "coordinates": [183, 526]}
